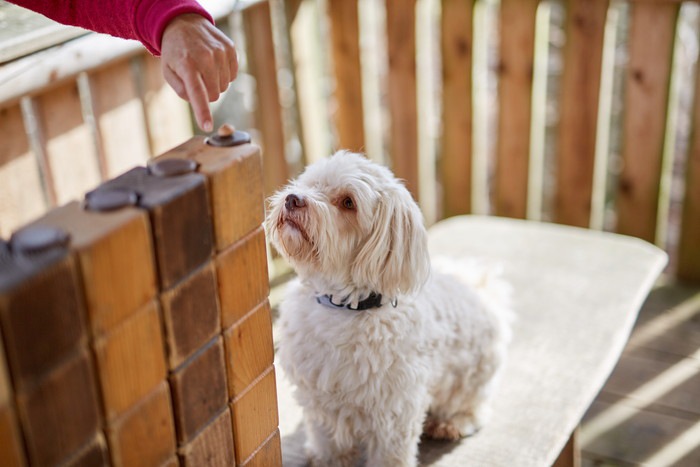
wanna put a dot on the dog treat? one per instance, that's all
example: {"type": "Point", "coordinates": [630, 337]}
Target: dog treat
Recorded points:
{"type": "Point", "coordinates": [235, 184]}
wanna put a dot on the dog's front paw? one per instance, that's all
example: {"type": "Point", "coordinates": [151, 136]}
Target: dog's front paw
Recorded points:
{"type": "Point", "coordinates": [448, 430]}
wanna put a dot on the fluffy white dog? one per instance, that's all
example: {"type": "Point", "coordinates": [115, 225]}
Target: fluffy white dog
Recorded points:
{"type": "Point", "coordinates": [380, 347]}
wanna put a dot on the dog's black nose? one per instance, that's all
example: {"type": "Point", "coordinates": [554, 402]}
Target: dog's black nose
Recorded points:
{"type": "Point", "coordinates": [292, 202]}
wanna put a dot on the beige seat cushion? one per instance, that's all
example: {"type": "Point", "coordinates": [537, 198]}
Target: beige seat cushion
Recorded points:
{"type": "Point", "coordinates": [576, 295]}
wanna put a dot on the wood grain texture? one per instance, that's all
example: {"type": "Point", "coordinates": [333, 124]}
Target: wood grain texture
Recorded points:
{"type": "Point", "coordinates": [255, 416]}
{"type": "Point", "coordinates": [93, 454]}
{"type": "Point", "coordinates": [150, 419]}
{"type": "Point", "coordinates": [190, 314]}
{"type": "Point", "coordinates": [515, 70]}
{"type": "Point", "coordinates": [180, 219]}
{"type": "Point", "coordinates": [402, 93]}
{"type": "Point", "coordinates": [108, 245]}
{"type": "Point", "coordinates": [22, 195]}
{"type": "Point", "coordinates": [168, 117]}
{"type": "Point", "coordinates": [689, 243]}
{"type": "Point", "coordinates": [120, 117]}
{"type": "Point", "coordinates": [235, 186]}
{"type": "Point", "coordinates": [345, 48]}
{"type": "Point", "coordinates": [199, 390]}
{"type": "Point", "coordinates": [267, 455]}
{"type": "Point", "coordinates": [42, 317]}
{"type": "Point", "coordinates": [67, 393]}
{"type": "Point", "coordinates": [67, 142]}
{"type": "Point", "coordinates": [456, 160]}
{"type": "Point", "coordinates": [263, 66]}
{"type": "Point", "coordinates": [651, 41]}
{"type": "Point", "coordinates": [213, 446]}
{"type": "Point", "coordinates": [243, 280]}
{"type": "Point", "coordinates": [580, 91]}
{"type": "Point", "coordinates": [249, 349]}
{"type": "Point", "coordinates": [11, 446]}
{"type": "Point", "coordinates": [130, 360]}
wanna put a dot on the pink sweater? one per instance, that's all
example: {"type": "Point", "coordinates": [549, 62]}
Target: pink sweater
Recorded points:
{"type": "Point", "coordinates": [143, 20]}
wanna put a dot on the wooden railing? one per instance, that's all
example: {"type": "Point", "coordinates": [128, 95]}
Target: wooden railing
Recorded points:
{"type": "Point", "coordinates": [455, 95]}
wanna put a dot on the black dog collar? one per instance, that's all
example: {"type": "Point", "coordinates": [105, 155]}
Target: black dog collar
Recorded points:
{"type": "Point", "coordinates": [374, 300]}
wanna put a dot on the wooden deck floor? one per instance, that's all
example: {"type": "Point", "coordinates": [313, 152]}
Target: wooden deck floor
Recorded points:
{"type": "Point", "coordinates": [648, 413]}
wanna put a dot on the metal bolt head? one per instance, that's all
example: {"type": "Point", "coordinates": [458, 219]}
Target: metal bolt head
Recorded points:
{"type": "Point", "coordinates": [171, 167]}
{"type": "Point", "coordinates": [38, 239]}
{"type": "Point", "coordinates": [103, 200]}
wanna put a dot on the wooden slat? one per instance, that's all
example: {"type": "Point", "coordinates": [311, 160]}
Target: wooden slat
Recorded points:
{"type": "Point", "coordinates": [261, 59]}
{"type": "Point", "coordinates": [403, 105]}
{"type": "Point", "coordinates": [651, 40]}
{"type": "Point", "coordinates": [456, 160]}
{"type": "Point", "coordinates": [119, 117]}
{"type": "Point", "coordinates": [21, 195]}
{"type": "Point", "coordinates": [585, 32]}
{"type": "Point", "coordinates": [345, 41]}
{"type": "Point", "coordinates": [518, 19]}
{"type": "Point", "coordinates": [213, 446]}
{"type": "Point", "coordinates": [167, 116]}
{"type": "Point", "coordinates": [67, 142]}
{"type": "Point", "coordinates": [689, 243]}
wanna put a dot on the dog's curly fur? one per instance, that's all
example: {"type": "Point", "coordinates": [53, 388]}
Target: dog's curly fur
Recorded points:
{"type": "Point", "coordinates": [373, 381]}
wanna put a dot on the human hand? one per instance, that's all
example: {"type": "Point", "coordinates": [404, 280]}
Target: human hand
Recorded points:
{"type": "Point", "coordinates": [199, 62]}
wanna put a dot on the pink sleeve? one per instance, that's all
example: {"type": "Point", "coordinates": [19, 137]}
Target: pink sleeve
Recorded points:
{"type": "Point", "coordinates": [143, 20]}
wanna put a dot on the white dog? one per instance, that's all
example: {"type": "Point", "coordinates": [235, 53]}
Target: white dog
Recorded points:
{"type": "Point", "coordinates": [380, 347]}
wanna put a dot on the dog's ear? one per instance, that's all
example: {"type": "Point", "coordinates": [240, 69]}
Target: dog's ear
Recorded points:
{"type": "Point", "coordinates": [395, 256]}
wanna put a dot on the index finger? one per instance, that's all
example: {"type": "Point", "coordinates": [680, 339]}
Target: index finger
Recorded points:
{"type": "Point", "coordinates": [197, 93]}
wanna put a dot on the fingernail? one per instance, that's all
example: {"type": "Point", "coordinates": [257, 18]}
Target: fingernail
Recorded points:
{"type": "Point", "coordinates": [208, 126]}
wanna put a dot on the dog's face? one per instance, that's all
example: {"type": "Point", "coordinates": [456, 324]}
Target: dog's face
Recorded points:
{"type": "Point", "coordinates": [349, 227]}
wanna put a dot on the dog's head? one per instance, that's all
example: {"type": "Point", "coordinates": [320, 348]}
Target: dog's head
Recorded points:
{"type": "Point", "coordinates": [349, 227]}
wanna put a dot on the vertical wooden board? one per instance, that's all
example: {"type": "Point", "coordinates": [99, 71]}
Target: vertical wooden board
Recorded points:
{"type": "Point", "coordinates": [190, 314]}
{"type": "Point", "coordinates": [21, 196]}
{"type": "Point", "coordinates": [108, 246]}
{"type": "Point", "coordinates": [68, 143]}
{"type": "Point", "coordinates": [345, 42]}
{"type": "Point", "coordinates": [11, 448]}
{"type": "Point", "coordinates": [130, 360]}
{"type": "Point", "coordinates": [243, 280]}
{"type": "Point", "coordinates": [249, 349]}
{"type": "Point", "coordinates": [119, 117]}
{"type": "Point", "coordinates": [580, 91]}
{"type": "Point", "coordinates": [199, 390]}
{"type": "Point", "coordinates": [151, 419]}
{"type": "Point", "coordinates": [456, 162]}
{"type": "Point", "coordinates": [403, 99]}
{"type": "Point", "coordinates": [68, 393]}
{"type": "Point", "coordinates": [235, 186]}
{"type": "Point", "coordinates": [41, 315]}
{"type": "Point", "coordinates": [255, 416]}
{"type": "Point", "coordinates": [651, 43]}
{"type": "Point", "coordinates": [268, 455]}
{"type": "Point", "coordinates": [93, 454]}
{"type": "Point", "coordinates": [263, 66]}
{"type": "Point", "coordinates": [179, 209]}
{"type": "Point", "coordinates": [167, 116]}
{"type": "Point", "coordinates": [689, 243]}
{"type": "Point", "coordinates": [517, 49]}
{"type": "Point", "coordinates": [213, 446]}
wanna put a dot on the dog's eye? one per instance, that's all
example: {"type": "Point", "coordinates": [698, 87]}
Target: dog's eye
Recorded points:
{"type": "Point", "coordinates": [348, 203]}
